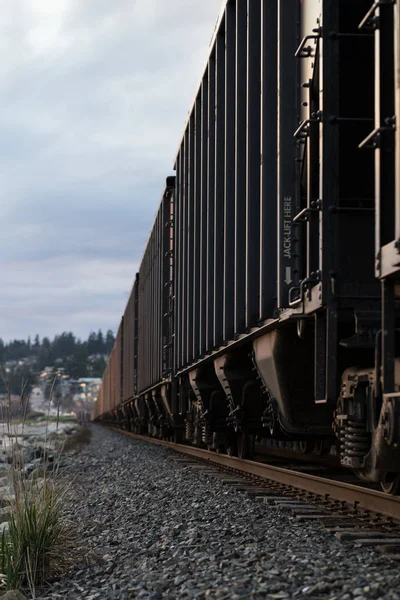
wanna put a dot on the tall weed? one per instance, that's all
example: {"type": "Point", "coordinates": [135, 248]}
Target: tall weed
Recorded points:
{"type": "Point", "coordinates": [37, 543]}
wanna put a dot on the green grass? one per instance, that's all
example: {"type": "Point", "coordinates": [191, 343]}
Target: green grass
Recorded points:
{"type": "Point", "coordinates": [35, 418]}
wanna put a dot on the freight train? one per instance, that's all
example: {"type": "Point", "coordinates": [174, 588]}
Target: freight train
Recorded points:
{"type": "Point", "coordinates": [267, 301]}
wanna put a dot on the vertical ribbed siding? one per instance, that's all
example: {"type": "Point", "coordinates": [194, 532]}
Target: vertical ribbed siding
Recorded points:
{"type": "Point", "coordinates": [117, 364]}
{"type": "Point", "coordinates": [167, 278]}
{"type": "Point", "coordinates": [141, 326]}
{"type": "Point", "coordinates": [203, 215]}
{"type": "Point", "coordinates": [181, 271]}
{"type": "Point", "coordinates": [113, 378]}
{"type": "Point", "coordinates": [136, 335]}
{"type": "Point", "coordinates": [224, 207]}
{"type": "Point", "coordinates": [219, 184]}
{"type": "Point", "coordinates": [197, 228]}
{"type": "Point", "coordinates": [178, 263]}
{"type": "Point", "coordinates": [154, 300]}
{"type": "Point", "coordinates": [159, 262]}
{"type": "Point", "coordinates": [185, 246]}
{"type": "Point", "coordinates": [226, 181]}
{"type": "Point", "coordinates": [240, 166]}
{"type": "Point", "coordinates": [229, 173]}
{"type": "Point", "coordinates": [98, 405]}
{"type": "Point", "coordinates": [288, 120]}
{"type": "Point", "coordinates": [190, 240]}
{"type": "Point", "coordinates": [110, 391]}
{"type": "Point", "coordinates": [269, 132]}
{"type": "Point", "coordinates": [128, 347]}
{"type": "Point", "coordinates": [106, 389]}
{"type": "Point", "coordinates": [98, 411]}
{"type": "Point", "coordinates": [187, 243]}
{"type": "Point", "coordinates": [153, 303]}
{"type": "Point", "coordinates": [210, 204]}
{"type": "Point", "coordinates": [253, 162]}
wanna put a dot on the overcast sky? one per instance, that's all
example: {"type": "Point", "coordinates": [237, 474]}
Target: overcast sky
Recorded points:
{"type": "Point", "coordinates": [93, 99]}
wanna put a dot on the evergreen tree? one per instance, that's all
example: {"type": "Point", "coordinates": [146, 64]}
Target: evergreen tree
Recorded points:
{"type": "Point", "coordinates": [98, 366]}
{"type": "Point", "coordinates": [100, 342]}
{"type": "Point", "coordinates": [78, 363]}
{"type": "Point", "coordinates": [92, 343]}
{"type": "Point", "coordinates": [18, 380]}
{"type": "Point", "coordinates": [63, 345]}
{"type": "Point", "coordinates": [64, 351]}
{"type": "Point", "coordinates": [45, 356]}
{"type": "Point", "coordinates": [110, 341]}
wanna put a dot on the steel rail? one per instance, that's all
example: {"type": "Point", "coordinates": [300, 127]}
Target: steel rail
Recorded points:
{"type": "Point", "coordinates": [361, 497]}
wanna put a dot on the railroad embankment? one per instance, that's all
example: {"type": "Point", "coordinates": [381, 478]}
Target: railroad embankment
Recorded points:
{"type": "Point", "coordinates": [149, 527]}
{"type": "Point", "coordinates": [37, 543]}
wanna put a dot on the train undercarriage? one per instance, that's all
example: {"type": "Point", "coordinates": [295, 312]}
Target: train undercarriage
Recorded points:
{"type": "Point", "coordinates": [267, 303]}
{"type": "Point", "coordinates": [249, 396]}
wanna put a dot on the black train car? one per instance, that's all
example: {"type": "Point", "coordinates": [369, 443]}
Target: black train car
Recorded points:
{"type": "Point", "coordinates": [225, 198]}
{"type": "Point", "coordinates": [155, 298]}
{"type": "Point", "coordinates": [265, 308]}
{"type": "Point", "coordinates": [130, 356]}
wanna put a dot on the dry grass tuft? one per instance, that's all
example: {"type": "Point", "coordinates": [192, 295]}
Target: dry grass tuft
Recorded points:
{"type": "Point", "coordinates": [38, 543]}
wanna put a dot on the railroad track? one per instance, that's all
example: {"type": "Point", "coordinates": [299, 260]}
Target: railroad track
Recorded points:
{"type": "Point", "coordinates": [353, 513]}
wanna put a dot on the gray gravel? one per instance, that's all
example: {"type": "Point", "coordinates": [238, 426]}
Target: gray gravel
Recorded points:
{"type": "Point", "coordinates": [156, 529]}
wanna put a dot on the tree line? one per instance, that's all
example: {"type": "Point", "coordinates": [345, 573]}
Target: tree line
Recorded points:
{"type": "Point", "coordinates": [79, 358]}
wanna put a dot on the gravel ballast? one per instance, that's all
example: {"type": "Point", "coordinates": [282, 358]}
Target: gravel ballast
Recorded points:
{"type": "Point", "coordinates": [153, 528]}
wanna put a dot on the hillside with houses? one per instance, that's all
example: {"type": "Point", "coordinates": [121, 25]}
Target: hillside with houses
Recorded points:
{"type": "Point", "coordinates": [62, 374]}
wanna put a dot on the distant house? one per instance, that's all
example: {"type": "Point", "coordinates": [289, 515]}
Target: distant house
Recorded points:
{"type": "Point", "coordinates": [88, 390]}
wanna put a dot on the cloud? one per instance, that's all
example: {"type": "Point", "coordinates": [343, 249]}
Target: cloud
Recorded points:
{"type": "Point", "coordinates": [94, 98]}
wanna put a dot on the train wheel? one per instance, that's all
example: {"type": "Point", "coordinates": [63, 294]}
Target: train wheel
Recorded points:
{"type": "Point", "coordinates": [231, 450]}
{"type": "Point", "coordinates": [306, 446]}
{"type": "Point", "coordinates": [319, 447]}
{"type": "Point", "coordinates": [178, 437]}
{"type": "Point", "coordinates": [217, 443]}
{"type": "Point", "coordinates": [322, 447]}
{"type": "Point", "coordinates": [391, 484]}
{"type": "Point", "coordinates": [231, 445]}
{"type": "Point", "coordinates": [245, 445]}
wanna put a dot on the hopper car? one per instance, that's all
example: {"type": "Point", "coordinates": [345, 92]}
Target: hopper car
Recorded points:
{"type": "Point", "coordinates": [267, 301]}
